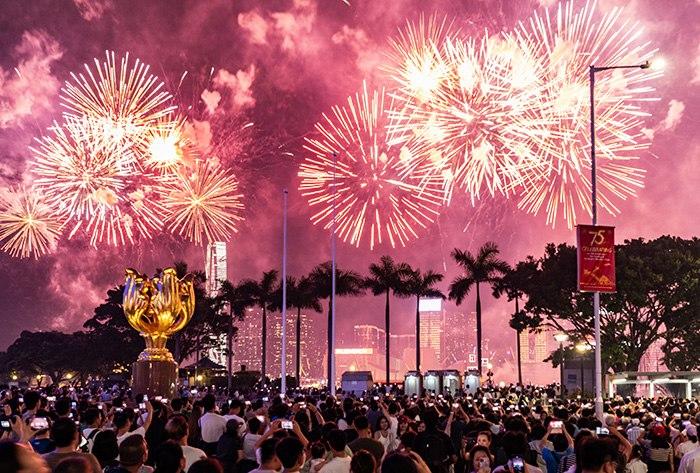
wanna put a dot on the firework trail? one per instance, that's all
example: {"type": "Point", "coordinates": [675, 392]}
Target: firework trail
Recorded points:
{"type": "Point", "coordinates": [89, 180]}
{"type": "Point", "coordinates": [203, 202]}
{"type": "Point", "coordinates": [374, 203]}
{"type": "Point", "coordinates": [563, 43]}
{"type": "Point", "coordinates": [28, 226]}
{"type": "Point", "coordinates": [125, 100]}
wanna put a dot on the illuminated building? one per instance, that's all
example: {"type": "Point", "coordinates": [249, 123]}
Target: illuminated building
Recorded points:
{"type": "Point", "coordinates": [432, 321]}
{"type": "Point", "coordinates": [274, 344]}
{"type": "Point", "coordinates": [248, 344]}
{"type": "Point", "coordinates": [215, 266]}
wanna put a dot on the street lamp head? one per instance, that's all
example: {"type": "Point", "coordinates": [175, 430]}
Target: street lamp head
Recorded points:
{"type": "Point", "coordinates": [582, 347]}
{"type": "Point", "coordinates": [561, 337]}
{"type": "Point", "coordinates": [657, 64]}
{"type": "Point", "coordinates": [645, 65]}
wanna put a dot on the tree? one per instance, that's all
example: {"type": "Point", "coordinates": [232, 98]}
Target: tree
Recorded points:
{"type": "Point", "coordinates": [347, 283]}
{"type": "Point", "coordinates": [483, 268]}
{"type": "Point", "coordinates": [656, 298]}
{"type": "Point", "coordinates": [513, 284]}
{"type": "Point", "coordinates": [262, 293]}
{"type": "Point", "coordinates": [384, 278]}
{"type": "Point", "coordinates": [301, 296]}
{"type": "Point", "coordinates": [236, 298]}
{"type": "Point", "coordinates": [53, 353]}
{"type": "Point", "coordinates": [420, 285]}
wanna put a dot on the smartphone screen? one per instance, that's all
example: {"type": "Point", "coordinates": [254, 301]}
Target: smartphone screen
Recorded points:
{"type": "Point", "coordinates": [287, 424]}
{"type": "Point", "coordinates": [142, 405]}
{"type": "Point", "coordinates": [518, 465]}
{"type": "Point", "coordinates": [39, 423]}
{"type": "Point", "coordinates": [557, 427]}
{"type": "Point", "coordinates": [5, 424]}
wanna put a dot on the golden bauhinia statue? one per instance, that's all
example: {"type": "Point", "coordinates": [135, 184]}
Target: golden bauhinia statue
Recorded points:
{"type": "Point", "coordinates": [157, 308]}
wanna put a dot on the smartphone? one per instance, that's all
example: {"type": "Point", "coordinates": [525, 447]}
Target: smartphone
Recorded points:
{"type": "Point", "coordinates": [99, 406]}
{"type": "Point", "coordinates": [601, 431]}
{"type": "Point", "coordinates": [194, 391]}
{"type": "Point", "coordinates": [118, 409]}
{"type": "Point", "coordinates": [158, 398]}
{"type": "Point", "coordinates": [266, 399]}
{"type": "Point", "coordinates": [676, 416]}
{"type": "Point", "coordinates": [518, 465]}
{"type": "Point", "coordinates": [557, 427]}
{"type": "Point", "coordinates": [39, 423]}
{"type": "Point", "coordinates": [21, 399]}
{"type": "Point", "coordinates": [247, 403]}
{"type": "Point", "coordinates": [142, 406]}
{"type": "Point", "coordinates": [51, 398]}
{"type": "Point", "coordinates": [455, 405]}
{"type": "Point", "coordinates": [164, 400]}
{"type": "Point", "coordinates": [145, 397]}
{"type": "Point", "coordinates": [376, 398]}
{"type": "Point", "coordinates": [287, 425]}
{"type": "Point", "coordinates": [73, 404]}
{"type": "Point", "coordinates": [302, 405]}
{"type": "Point", "coordinates": [5, 424]}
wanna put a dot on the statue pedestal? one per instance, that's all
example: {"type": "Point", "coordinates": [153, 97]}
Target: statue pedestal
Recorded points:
{"type": "Point", "coordinates": [154, 378]}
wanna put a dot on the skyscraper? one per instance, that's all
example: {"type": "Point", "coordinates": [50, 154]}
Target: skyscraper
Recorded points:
{"type": "Point", "coordinates": [216, 271]}
{"type": "Point", "coordinates": [215, 266]}
{"type": "Point", "coordinates": [432, 321]}
{"type": "Point", "coordinates": [248, 344]}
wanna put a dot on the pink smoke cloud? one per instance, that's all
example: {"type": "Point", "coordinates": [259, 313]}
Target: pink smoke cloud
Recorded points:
{"type": "Point", "coordinates": [93, 9]}
{"type": "Point", "coordinates": [211, 99]}
{"type": "Point", "coordinates": [289, 29]}
{"type": "Point", "coordinates": [673, 117]}
{"type": "Point", "coordinates": [30, 88]}
{"type": "Point", "coordinates": [239, 84]}
{"type": "Point", "coordinates": [366, 51]}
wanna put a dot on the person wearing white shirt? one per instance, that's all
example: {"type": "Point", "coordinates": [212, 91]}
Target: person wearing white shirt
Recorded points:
{"type": "Point", "coordinates": [340, 463]}
{"type": "Point", "coordinates": [211, 424]}
{"type": "Point", "coordinates": [269, 463]}
{"type": "Point", "coordinates": [123, 422]}
{"type": "Point", "coordinates": [233, 410]}
{"type": "Point", "coordinates": [251, 438]}
{"type": "Point", "coordinates": [178, 430]}
{"type": "Point", "coordinates": [691, 434]}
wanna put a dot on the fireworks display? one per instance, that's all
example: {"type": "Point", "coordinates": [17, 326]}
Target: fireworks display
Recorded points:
{"type": "Point", "coordinates": [203, 202]}
{"type": "Point", "coordinates": [502, 115]}
{"type": "Point", "coordinates": [563, 43]}
{"type": "Point", "coordinates": [373, 202]}
{"type": "Point", "coordinates": [28, 226]}
{"type": "Point", "coordinates": [124, 100]}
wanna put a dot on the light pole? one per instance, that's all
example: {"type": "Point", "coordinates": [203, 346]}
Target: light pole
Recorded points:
{"type": "Point", "coordinates": [594, 213]}
{"type": "Point", "coordinates": [283, 383]}
{"type": "Point", "coordinates": [561, 338]}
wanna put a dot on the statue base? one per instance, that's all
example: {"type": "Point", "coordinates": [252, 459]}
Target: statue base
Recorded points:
{"type": "Point", "coordinates": [154, 378]}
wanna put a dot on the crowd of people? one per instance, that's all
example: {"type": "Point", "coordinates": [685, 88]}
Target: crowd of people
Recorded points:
{"type": "Point", "coordinates": [511, 429]}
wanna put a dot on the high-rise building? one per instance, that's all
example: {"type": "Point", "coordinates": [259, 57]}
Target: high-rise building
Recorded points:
{"type": "Point", "coordinates": [460, 340]}
{"type": "Point", "coordinates": [275, 344]}
{"type": "Point", "coordinates": [247, 349]}
{"type": "Point", "coordinates": [369, 336]}
{"type": "Point", "coordinates": [432, 321]}
{"type": "Point", "coordinates": [215, 266]}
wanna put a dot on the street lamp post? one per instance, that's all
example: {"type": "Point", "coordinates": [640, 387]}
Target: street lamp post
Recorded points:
{"type": "Point", "coordinates": [561, 338]}
{"type": "Point", "coordinates": [594, 213]}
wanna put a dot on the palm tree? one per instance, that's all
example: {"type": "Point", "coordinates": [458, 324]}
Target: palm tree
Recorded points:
{"type": "Point", "coordinates": [347, 283]}
{"type": "Point", "coordinates": [513, 284]}
{"type": "Point", "coordinates": [238, 298]}
{"type": "Point", "coordinates": [301, 296]}
{"type": "Point", "coordinates": [263, 293]}
{"type": "Point", "coordinates": [484, 267]}
{"type": "Point", "coordinates": [384, 278]}
{"type": "Point", "coordinates": [421, 285]}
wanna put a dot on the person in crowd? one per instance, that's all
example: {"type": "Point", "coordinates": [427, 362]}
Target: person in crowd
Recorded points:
{"type": "Point", "coordinates": [66, 437]}
{"type": "Point", "coordinates": [364, 441]}
{"type": "Point", "coordinates": [18, 458]}
{"type": "Point", "coordinates": [340, 463]}
{"type": "Point", "coordinates": [269, 463]}
{"type": "Point", "coordinates": [133, 453]}
{"type": "Point", "coordinates": [562, 446]}
{"type": "Point", "coordinates": [636, 463]}
{"type": "Point", "coordinates": [598, 455]}
{"type": "Point", "coordinates": [169, 458]}
{"type": "Point", "coordinates": [251, 437]}
{"type": "Point", "coordinates": [177, 430]}
{"type": "Point", "coordinates": [209, 465]}
{"type": "Point", "coordinates": [124, 420]}
{"type": "Point", "coordinates": [480, 460]}
{"type": "Point", "coordinates": [433, 445]}
{"type": "Point", "coordinates": [517, 451]}
{"type": "Point", "coordinates": [659, 451]}
{"type": "Point", "coordinates": [106, 449]}
{"type": "Point", "coordinates": [74, 465]}
{"type": "Point", "coordinates": [384, 435]}
{"type": "Point", "coordinates": [290, 452]}
{"type": "Point", "coordinates": [691, 441]}
{"type": "Point", "coordinates": [229, 449]}
{"type": "Point", "coordinates": [212, 425]}
{"type": "Point", "coordinates": [363, 462]}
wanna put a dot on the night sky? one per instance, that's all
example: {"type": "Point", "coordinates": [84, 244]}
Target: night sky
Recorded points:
{"type": "Point", "coordinates": [281, 64]}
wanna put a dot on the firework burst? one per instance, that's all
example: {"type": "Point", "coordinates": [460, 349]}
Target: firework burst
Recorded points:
{"type": "Point", "coordinates": [28, 226]}
{"type": "Point", "coordinates": [203, 202]}
{"type": "Point", "coordinates": [373, 201]}
{"type": "Point", "coordinates": [472, 134]}
{"type": "Point", "coordinates": [124, 99]}
{"type": "Point", "coordinates": [90, 181]}
{"type": "Point", "coordinates": [563, 43]}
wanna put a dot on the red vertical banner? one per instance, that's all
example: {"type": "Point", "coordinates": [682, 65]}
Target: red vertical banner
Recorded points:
{"type": "Point", "coordinates": [595, 250]}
